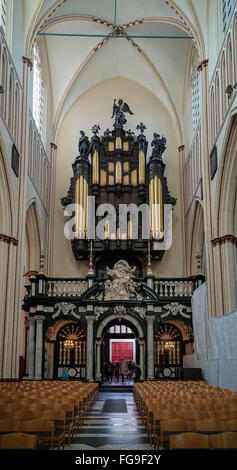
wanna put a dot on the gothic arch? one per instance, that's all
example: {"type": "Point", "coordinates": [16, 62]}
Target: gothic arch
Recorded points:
{"type": "Point", "coordinates": [6, 196]}
{"type": "Point", "coordinates": [33, 240]}
{"type": "Point", "coordinates": [225, 241]}
{"type": "Point", "coordinates": [197, 239]}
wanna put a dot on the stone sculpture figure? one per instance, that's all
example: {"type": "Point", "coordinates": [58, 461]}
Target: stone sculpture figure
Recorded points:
{"type": "Point", "coordinates": [122, 286]}
{"type": "Point", "coordinates": [83, 144]}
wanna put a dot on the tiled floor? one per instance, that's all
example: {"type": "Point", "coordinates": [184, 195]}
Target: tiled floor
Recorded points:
{"type": "Point", "coordinates": [112, 430]}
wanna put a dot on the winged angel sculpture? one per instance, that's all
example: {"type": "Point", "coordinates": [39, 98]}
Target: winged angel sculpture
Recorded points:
{"type": "Point", "coordinates": [119, 111]}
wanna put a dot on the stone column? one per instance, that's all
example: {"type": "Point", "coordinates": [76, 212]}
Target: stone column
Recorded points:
{"type": "Point", "coordinates": [39, 347]}
{"type": "Point", "coordinates": [150, 347]}
{"type": "Point", "coordinates": [31, 351]}
{"type": "Point", "coordinates": [89, 349]}
{"type": "Point", "coordinates": [98, 360]}
{"type": "Point", "coordinates": [142, 344]}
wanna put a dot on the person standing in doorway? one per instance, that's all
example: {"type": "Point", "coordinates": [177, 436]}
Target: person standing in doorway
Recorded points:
{"type": "Point", "coordinates": [116, 372]}
{"type": "Point", "coordinates": [110, 371]}
{"type": "Point", "coordinates": [137, 372]}
{"type": "Point", "coordinates": [123, 368]}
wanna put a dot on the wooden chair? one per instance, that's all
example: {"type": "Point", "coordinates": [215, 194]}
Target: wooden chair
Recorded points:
{"type": "Point", "coordinates": [225, 440]}
{"type": "Point", "coordinates": [45, 430]}
{"type": "Point", "coordinates": [7, 426]}
{"type": "Point", "coordinates": [189, 440]}
{"type": "Point", "coordinates": [222, 414]}
{"type": "Point", "coordinates": [18, 440]}
{"type": "Point", "coordinates": [210, 426]}
{"type": "Point", "coordinates": [172, 426]}
{"type": "Point", "coordinates": [154, 426]}
{"type": "Point", "coordinates": [194, 414]}
{"type": "Point", "coordinates": [232, 425]}
{"type": "Point", "coordinates": [59, 419]}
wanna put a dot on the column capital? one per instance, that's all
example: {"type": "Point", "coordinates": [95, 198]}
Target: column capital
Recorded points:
{"type": "Point", "coordinates": [141, 342]}
{"type": "Point", "coordinates": [181, 148]}
{"type": "Point", "coordinates": [150, 319]}
{"type": "Point", "coordinates": [98, 342]}
{"type": "Point", "coordinates": [28, 61]}
{"type": "Point", "coordinates": [90, 318]}
{"type": "Point", "coordinates": [53, 146]}
{"type": "Point", "coordinates": [39, 318]}
{"type": "Point", "coordinates": [202, 65]}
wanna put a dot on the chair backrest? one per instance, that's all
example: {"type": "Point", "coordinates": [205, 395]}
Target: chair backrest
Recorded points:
{"type": "Point", "coordinates": [189, 440]}
{"type": "Point", "coordinates": [232, 424]}
{"type": "Point", "coordinates": [37, 425]}
{"type": "Point", "coordinates": [194, 414]}
{"type": "Point", "coordinates": [222, 414]}
{"type": "Point", "coordinates": [210, 424]}
{"type": "Point", "coordinates": [18, 441]}
{"type": "Point", "coordinates": [225, 440]}
{"type": "Point", "coordinates": [7, 425]}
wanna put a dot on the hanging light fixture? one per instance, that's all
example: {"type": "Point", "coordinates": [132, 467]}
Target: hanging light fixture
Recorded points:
{"type": "Point", "coordinates": [69, 344]}
{"type": "Point", "coordinates": [169, 345]}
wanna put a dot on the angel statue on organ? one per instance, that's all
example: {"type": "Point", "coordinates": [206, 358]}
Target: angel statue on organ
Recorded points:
{"type": "Point", "coordinates": [119, 111]}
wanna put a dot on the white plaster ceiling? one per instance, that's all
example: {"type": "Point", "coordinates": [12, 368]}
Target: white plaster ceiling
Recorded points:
{"type": "Point", "coordinates": [74, 67]}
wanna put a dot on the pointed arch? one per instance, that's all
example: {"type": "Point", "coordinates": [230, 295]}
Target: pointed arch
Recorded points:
{"type": "Point", "coordinates": [197, 240]}
{"type": "Point", "coordinates": [33, 240]}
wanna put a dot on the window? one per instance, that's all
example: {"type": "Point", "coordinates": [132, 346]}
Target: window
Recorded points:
{"type": "Point", "coordinates": [3, 6]}
{"type": "Point", "coordinates": [38, 90]}
{"type": "Point", "coordinates": [195, 101]}
{"type": "Point", "coordinates": [227, 10]}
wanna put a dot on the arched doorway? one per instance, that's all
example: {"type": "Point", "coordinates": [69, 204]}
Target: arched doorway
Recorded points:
{"type": "Point", "coordinates": [119, 341]}
{"type": "Point", "coordinates": [119, 326]}
{"type": "Point", "coordinates": [168, 350]}
{"type": "Point", "coordinates": [70, 351]}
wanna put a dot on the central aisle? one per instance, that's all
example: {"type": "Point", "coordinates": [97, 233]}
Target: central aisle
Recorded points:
{"type": "Point", "coordinates": [118, 427]}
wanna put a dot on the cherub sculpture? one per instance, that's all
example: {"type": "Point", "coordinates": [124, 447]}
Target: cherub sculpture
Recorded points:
{"type": "Point", "coordinates": [119, 111]}
{"type": "Point", "coordinates": [122, 285]}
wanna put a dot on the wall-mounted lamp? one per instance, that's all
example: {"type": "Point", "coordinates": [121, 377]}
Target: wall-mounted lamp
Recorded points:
{"type": "Point", "coordinates": [229, 90]}
{"type": "Point", "coordinates": [1, 89]}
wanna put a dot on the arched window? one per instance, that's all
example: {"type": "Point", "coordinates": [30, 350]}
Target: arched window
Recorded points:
{"type": "Point", "coordinates": [10, 100]}
{"type": "Point", "coordinates": [38, 89]}
{"type": "Point", "coordinates": [224, 84]}
{"type": "Point", "coordinates": [217, 93]}
{"type": "Point", "coordinates": [3, 81]}
{"type": "Point", "coordinates": [195, 101]}
{"type": "Point", "coordinates": [3, 6]}
{"type": "Point", "coordinates": [212, 123]}
{"type": "Point", "coordinates": [229, 62]}
{"type": "Point", "coordinates": [16, 114]}
{"type": "Point", "coordinates": [227, 10]}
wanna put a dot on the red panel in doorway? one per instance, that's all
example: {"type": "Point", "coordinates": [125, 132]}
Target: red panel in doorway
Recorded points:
{"type": "Point", "coordinates": [122, 350]}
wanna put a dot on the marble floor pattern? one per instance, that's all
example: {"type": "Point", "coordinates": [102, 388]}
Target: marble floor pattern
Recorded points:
{"type": "Point", "coordinates": [111, 430]}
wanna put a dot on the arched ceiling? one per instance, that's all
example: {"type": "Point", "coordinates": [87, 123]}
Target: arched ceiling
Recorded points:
{"type": "Point", "coordinates": [78, 63]}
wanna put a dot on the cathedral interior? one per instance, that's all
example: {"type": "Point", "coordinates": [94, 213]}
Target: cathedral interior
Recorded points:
{"type": "Point", "coordinates": [118, 200]}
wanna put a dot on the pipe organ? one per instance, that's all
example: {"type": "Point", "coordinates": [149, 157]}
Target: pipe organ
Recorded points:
{"type": "Point", "coordinates": [115, 170]}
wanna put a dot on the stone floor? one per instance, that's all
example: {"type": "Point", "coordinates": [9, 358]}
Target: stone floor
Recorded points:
{"type": "Point", "coordinates": [112, 430]}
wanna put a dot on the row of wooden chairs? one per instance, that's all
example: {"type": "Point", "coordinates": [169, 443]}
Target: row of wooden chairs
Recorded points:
{"type": "Point", "coordinates": [181, 406]}
{"type": "Point", "coordinates": [192, 440]}
{"type": "Point", "coordinates": [53, 411]}
{"type": "Point", "coordinates": [203, 426]}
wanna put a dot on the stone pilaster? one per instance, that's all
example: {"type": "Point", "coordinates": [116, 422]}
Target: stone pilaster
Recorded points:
{"type": "Point", "coordinates": [31, 351]}
{"type": "Point", "coordinates": [98, 360]}
{"type": "Point", "coordinates": [150, 346]}
{"type": "Point", "coordinates": [142, 365]}
{"type": "Point", "coordinates": [39, 347]}
{"type": "Point", "coordinates": [89, 349]}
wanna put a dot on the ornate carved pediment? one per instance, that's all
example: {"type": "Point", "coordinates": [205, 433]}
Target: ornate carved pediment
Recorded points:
{"type": "Point", "coordinates": [66, 309]}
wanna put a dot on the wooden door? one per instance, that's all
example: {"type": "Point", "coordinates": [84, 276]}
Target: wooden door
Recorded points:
{"type": "Point", "coordinates": [122, 350]}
